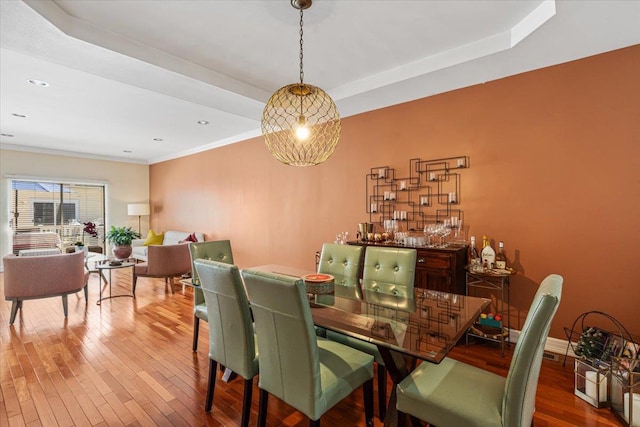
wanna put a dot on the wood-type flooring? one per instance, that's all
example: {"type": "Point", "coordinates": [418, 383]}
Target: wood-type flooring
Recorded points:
{"type": "Point", "coordinates": [129, 362]}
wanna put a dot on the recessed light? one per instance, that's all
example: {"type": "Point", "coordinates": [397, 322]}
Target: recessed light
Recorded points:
{"type": "Point", "coordinates": [7, 135]}
{"type": "Point", "coordinates": [38, 82]}
{"type": "Point", "coordinates": [158, 139]}
{"type": "Point", "coordinates": [19, 115]}
{"type": "Point", "coordinates": [126, 151]}
{"type": "Point", "coordinates": [203, 122]}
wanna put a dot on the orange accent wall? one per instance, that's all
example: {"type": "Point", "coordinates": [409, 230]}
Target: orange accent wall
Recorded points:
{"type": "Point", "coordinates": [555, 174]}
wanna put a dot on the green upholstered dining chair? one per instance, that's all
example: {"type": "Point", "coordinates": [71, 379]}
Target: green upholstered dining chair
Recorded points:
{"type": "Point", "coordinates": [308, 372]}
{"type": "Point", "coordinates": [390, 271]}
{"type": "Point", "coordinates": [453, 393]}
{"type": "Point", "coordinates": [214, 250]}
{"type": "Point", "coordinates": [231, 334]}
{"type": "Point", "coordinates": [342, 262]}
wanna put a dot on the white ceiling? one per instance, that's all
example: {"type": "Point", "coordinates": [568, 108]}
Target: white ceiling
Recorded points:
{"type": "Point", "coordinates": [122, 73]}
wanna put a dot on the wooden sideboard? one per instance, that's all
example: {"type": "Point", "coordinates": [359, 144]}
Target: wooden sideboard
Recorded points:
{"type": "Point", "coordinates": [440, 269]}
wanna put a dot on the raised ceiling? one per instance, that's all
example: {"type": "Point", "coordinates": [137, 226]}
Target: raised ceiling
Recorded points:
{"type": "Point", "coordinates": [129, 80]}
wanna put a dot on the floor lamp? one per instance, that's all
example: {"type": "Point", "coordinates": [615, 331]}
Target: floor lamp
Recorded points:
{"type": "Point", "coordinates": [138, 209]}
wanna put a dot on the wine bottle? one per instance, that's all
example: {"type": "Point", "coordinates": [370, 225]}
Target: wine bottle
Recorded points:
{"type": "Point", "coordinates": [474, 257]}
{"type": "Point", "coordinates": [488, 254]}
{"type": "Point", "coordinates": [501, 259]}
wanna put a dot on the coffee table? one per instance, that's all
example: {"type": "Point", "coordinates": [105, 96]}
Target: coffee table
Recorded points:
{"type": "Point", "coordinates": [92, 259]}
{"type": "Point", "coordinates": [108, 266]}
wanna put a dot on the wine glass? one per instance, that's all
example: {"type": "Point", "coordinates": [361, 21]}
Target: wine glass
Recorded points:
{"type": "Point", "coordinates": [444, 231]}
{"type": "Point", "coordinates": [431, 230]}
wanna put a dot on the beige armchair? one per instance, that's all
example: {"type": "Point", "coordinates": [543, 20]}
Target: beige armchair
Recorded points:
{"type": "Point", "coordinates": [43, 277]}
{"type": "Point", "coordinates": [166, 261]}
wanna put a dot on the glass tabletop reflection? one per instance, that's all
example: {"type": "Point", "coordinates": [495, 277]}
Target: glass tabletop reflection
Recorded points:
{"type": "Point", "coordinates": [424, 323]}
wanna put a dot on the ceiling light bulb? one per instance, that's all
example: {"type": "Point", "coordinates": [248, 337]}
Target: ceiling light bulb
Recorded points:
{"type": "Point", "coordinates": [203, 122]}
{"type": "Point", "coordinates": [22, 116]}
{"type": "Point", "coordinates": [158, 139]}
{"type": "Point", "coordinates": [302, 133]}
{"type": "Point", "coordinates": [8, 135]}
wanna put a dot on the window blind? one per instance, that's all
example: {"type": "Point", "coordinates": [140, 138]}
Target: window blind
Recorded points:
{"type": "Point", "coordinates": [53, 214]}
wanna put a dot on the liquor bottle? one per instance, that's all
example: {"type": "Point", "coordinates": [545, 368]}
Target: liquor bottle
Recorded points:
{"type": "Point", "coordinates": [488, 254]}
{"type": "Point", "coordinates": [474, 257]}
{"type": "Point", "coordinates": [501, 259]}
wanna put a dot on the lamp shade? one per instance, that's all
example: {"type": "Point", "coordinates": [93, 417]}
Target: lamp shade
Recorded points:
{"type": "Point", "coordinates": [300, 123]}
{"type": "Point", "coordinates": [282, 116]}
{"type": "Point", "coordinates": [138, 209]}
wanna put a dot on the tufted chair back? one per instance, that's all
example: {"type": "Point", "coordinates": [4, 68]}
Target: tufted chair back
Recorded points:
{"type": "Point", "coordinates": [389, 270]}
{"type": "Point", "coordinates": [342, 262]}
{"type": "Point", "coordinates": [215, 250]}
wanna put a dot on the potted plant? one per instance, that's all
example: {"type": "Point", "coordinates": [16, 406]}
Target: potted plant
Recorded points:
{"type": "Point", "coordinates": [121, 238]}
{"type": "Point", "coordinates": [90, 229]}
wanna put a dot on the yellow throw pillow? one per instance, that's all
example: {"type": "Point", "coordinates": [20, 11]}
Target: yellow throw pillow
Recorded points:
{"type": "Point", "coordinates": [153, 239]}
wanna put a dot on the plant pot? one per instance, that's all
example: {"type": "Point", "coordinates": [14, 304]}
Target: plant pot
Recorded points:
{"type": "Point", "coordinates": [122, 252]}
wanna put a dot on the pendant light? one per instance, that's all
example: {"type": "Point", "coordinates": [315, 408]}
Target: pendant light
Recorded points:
{"type": "Point", "coordinates": [300, 123]}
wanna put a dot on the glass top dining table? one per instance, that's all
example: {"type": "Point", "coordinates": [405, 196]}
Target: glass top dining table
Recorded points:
{"type": "Point", "coordinates": [420, 325]}
{"type": "Point", "coordinates": [424, 324]}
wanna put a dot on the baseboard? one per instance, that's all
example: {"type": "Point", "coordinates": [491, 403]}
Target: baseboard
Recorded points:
{"type": "Point", "coordinates": [552, 345]}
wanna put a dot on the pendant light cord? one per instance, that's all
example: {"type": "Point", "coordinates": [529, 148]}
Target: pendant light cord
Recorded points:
{"type": "Point", "coordinates": [301, 53]}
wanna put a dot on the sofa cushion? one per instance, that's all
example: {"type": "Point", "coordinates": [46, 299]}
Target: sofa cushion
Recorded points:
{"type": "Point", "coordinates": [153, 238]}
{"type": "Point", "coordinates": [139, 252]}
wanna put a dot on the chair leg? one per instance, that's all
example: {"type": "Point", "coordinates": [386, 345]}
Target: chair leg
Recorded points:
{"type": "Point", "coordinates": [367, 391]}
{"type": "Point", "coordinates": [65, 305]}
{"type": "Point", "coordinates": [135, 282]}
{"type": "Point", "coordinates": [246, 402]}
{"type": "Point", "coordinates": [15, 305]}
{"type": "Point", "coordinates": [314, 423]}
{"type": "Point", "coordinates": [86, 293]}
{"type": "Point", "coordinates": [262, 408]}
{"type": "Point", "coordinates": [382, 392]}
{"type": "Point", "coordinates": [196, 330]}
{"type": "Point", "coordinates": [211, 385]}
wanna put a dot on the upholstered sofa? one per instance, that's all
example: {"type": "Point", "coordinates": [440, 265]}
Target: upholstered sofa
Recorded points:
{"type": "Point", "coordinates": [140, 252]}
{"type": "Point", "coordinates": [31, 277]}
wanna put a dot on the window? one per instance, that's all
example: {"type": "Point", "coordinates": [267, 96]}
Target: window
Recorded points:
{"type": "Point", "coordinates": [44, 213]}
{"type": "Point", "coordinates": [52, 214]}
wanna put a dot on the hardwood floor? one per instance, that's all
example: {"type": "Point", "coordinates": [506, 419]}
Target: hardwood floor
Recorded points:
{"type": "Point", "coordinates": [129, 362]}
